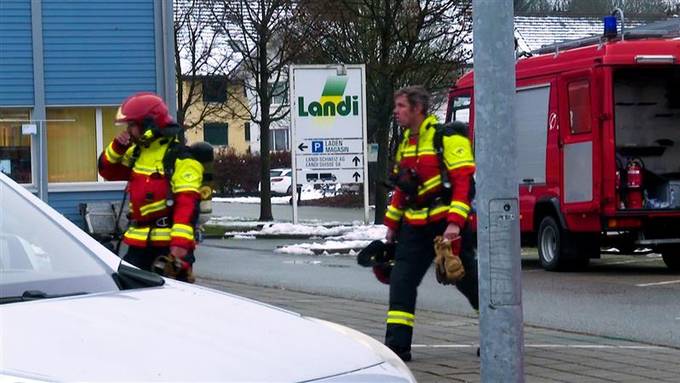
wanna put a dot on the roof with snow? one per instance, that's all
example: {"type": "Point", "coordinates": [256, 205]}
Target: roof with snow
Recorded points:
{"type": "Point", "coordinates": [535, 32]}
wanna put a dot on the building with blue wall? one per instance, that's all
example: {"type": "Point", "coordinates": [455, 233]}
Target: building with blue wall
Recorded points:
{"type": "Point", "coordinates": [65, 67]}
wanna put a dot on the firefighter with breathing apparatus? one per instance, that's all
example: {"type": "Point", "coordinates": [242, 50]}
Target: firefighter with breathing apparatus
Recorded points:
{"type": "Point", "coordinates": [164, 185]}
{"type": "Point", "coordinates": [433, 187]}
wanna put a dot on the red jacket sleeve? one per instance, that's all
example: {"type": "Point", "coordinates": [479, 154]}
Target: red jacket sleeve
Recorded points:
{"type": "Point", "coordinates": [460, 165]}
{"type": "Point", "coordinates": [110, 163]}
{"type": "Point", "coordinates": [185, 183]}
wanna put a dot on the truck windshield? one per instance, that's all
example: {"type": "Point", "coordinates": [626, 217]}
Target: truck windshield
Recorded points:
{"type": "Point", "coordinates": [647, 130]}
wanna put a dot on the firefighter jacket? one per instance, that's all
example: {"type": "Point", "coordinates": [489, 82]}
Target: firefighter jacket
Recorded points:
{"type": "Point", "coordinates": [163, 211]}
{"type": "Point", "coordinates": [429, 204]}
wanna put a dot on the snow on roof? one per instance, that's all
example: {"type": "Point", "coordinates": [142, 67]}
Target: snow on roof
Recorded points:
{"type": "Point", "coordinates": [535, 32]}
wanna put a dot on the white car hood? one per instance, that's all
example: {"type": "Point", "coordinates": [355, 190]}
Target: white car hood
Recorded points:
{"type": "Point", "coordinates": [177, 332]}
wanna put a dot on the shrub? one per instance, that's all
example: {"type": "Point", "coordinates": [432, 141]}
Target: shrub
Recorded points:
{"type": "Point", "coordinates": [240, 173]}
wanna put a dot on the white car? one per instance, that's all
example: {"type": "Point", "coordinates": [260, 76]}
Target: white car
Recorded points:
{"type": "Point", "coordinates": [71, 311]}
{"type": "Point", "coordinates": [281, 181]}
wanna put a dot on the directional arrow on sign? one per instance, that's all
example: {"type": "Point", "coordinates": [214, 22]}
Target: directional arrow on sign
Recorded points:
{"type": "Point", "coordinates": [302, 147]}
{"type": "Point", "coordinates": [356, 176]}
{"type": "Point", "coordinates": [356, 160]}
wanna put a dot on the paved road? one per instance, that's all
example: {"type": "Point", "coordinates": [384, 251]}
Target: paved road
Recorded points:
{"type": "Point", "coordinates": [622, 297]}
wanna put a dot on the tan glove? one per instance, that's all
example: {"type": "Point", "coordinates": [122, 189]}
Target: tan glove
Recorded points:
{"type": "Point", "coordinates": [167, 266]}
{"type": "Point", "coordinates": [448, 266]}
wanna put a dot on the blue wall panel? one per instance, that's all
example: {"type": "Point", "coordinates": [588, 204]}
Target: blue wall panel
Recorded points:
{"type": "Point", "coordinates": [98, 52]}
{"type": "Point", "coordinates": [67, 202]}
{"type": "Point", "coordinates": [16, 53]}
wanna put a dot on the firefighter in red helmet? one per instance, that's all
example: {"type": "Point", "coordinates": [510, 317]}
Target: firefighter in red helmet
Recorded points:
{"type": "Point", "coordinates": [163, 183]}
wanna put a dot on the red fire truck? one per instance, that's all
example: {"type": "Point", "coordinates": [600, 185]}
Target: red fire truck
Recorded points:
{"type": "Point", "coordinates": [598, 135]}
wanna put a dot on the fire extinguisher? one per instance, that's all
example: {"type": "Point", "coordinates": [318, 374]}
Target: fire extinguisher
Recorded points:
{"type": "Point", "coordinates": [634, 168]}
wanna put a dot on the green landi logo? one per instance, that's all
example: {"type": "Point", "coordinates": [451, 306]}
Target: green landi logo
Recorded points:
{"type": "Point", "coordinates": [332, 102]}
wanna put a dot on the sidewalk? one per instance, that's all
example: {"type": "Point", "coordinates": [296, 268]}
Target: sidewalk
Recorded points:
{"type": "Point", "coordinates": [445, 345]}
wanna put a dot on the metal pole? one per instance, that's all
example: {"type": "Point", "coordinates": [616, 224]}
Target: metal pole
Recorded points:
{"type": "Point", "coordinates": [293, 154]}
{"type": "Point", "coordinates": [501, 333]}
{"type": "Point", "coordinates": [39, 114]}
{"type": "Point", "coordinates": [365, 144]}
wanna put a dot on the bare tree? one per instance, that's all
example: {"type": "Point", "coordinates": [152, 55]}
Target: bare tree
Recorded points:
{"type": "Point", "coordinates": [401, 42]}
{"type": "Point", "coordinates": [200, 54]}
{"type": "Point", "coordinates": [264, 34]}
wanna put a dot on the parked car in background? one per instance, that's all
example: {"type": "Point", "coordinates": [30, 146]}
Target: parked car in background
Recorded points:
{"type": "Point", "coordinates": [72, 311]}
{"type": "Point", "coordinates": [281, 181]}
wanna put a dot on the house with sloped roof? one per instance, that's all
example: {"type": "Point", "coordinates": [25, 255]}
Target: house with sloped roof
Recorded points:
{"type": "Point", "coordinates": [535, 32]}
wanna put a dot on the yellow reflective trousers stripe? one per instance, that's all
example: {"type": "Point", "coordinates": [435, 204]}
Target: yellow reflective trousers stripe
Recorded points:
{"type": "Point", "coordinates": [400, 317]}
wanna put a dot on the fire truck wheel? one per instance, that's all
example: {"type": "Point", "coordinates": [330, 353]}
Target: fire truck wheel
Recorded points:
{"type": "Point", "coordinates": [557, 250]}
{"type": "Point", "coordinates": [671, 258]}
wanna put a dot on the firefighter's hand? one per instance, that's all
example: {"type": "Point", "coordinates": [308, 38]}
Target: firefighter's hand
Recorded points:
{"type": "Point", "coordinates": [452, 232]}
{"type": "Point", "coordinates": [180, 253]}
{"type": "Point", "coordinates": [123, 138]}
{"type": "Point", "coordinates": [391, 236]}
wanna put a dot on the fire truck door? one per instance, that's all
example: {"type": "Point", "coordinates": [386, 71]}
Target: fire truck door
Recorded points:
{"type": "Point", "coordinates": [579, 134]}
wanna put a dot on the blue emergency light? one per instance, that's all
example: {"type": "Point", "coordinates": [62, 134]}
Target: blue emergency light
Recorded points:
{"type": "Point", "coordinates": [610, 27]}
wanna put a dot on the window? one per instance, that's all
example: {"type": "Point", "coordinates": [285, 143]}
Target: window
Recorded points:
{"type": "Point", "coordinates": [278, 139]}
{"type": "Point", "coordinates": [531, 126]}
{"type": "Point", "coordinates": [579, 107]}
{"type": "Point", "coordinates": [71, 145]}
{"type": "Point", "coordinates": [15, 148]}
{"type": "Point", "coordinates": [216, 133]}
{"type": "Point", "coordinates": [280, 93]}
{"type": "Point", "coordinates": [246, 128]}
{"type": "Point", "coordinates": [214, 90]}
{"type": "Point", "coordinates": [109, 128]}
{"type": "Point", "coordinates": [460, 109]}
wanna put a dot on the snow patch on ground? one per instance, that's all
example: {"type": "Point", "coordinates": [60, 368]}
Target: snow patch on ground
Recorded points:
{"type": "Point", "coordinates": [243, 236]}
{"type": "Point", "coordinates": [308, 193]}
{"type": "Point", "coordinates": [327, 247]}
{"type": "Point", "coordinates": [364, 233]}
{"type": "Point", "coordinates": [310, 230]}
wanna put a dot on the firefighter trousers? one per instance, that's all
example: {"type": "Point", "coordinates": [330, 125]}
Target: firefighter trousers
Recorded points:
{"type": "Point", "coordinates": [414, 255]}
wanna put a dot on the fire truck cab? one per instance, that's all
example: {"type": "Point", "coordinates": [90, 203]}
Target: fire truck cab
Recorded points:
{"type": "Point", "coordinates": [598, 140]}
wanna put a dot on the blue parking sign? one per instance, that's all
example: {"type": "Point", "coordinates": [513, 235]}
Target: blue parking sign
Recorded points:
{"type": "Point", "coordinates": [317, 146]}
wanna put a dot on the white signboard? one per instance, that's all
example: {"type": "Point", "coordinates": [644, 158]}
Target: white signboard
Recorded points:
{"type": "Point", "coordinates": [328, 124]}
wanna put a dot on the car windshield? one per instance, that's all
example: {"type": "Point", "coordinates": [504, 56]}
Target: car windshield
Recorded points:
{"type": "Point", "coordinates": [38, 255]}
{"type": "Point", "coordinates": [275, 173]}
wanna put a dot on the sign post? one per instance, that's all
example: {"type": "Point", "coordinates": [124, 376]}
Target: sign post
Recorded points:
{"type": "Point", "coordinates": [328, 127]}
